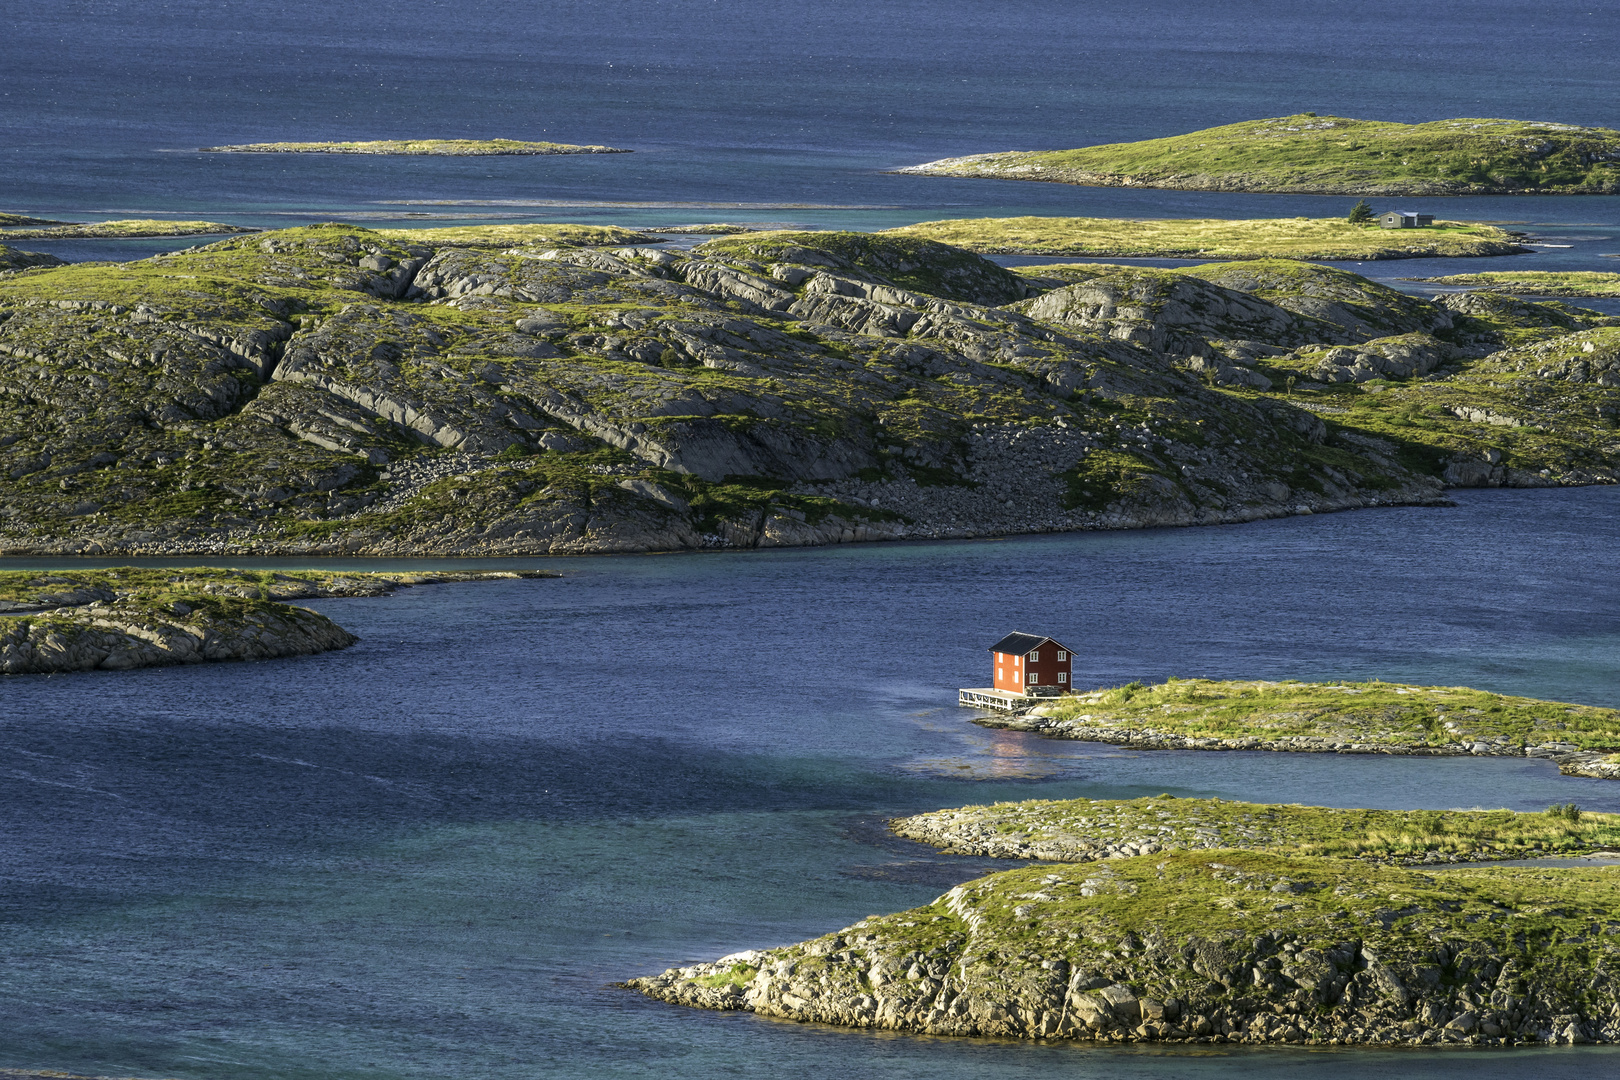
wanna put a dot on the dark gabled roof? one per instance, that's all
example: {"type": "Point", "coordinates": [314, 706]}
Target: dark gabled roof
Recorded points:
{"type": "Point", "coordinates": [1023, 644]}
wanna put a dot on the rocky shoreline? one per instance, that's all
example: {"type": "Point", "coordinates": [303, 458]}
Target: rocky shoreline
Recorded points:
{"type": "Point", "coordinates": [146, 228]}
{"type": "Point", "coordinates": [1306, 154]}
{"type": "Point", "coordinates": [528, 536]}
{"type": "Point", "coordinates": [91, 639]}
{"type": "Point", "coordinates": [1571, 759]}
{"type": "Point", "coordinates": [1208, 948]}
{"type": "Point", "coordinates": [1090, 830]}
{"type": "Point", "coordinates": [987, 167]}
{"type": "Point", "coordinates": [101, 620]}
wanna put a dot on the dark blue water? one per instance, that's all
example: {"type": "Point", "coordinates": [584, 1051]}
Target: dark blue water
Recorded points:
{"type": "Point", "coordinates": [763, 111]}
{"type": "Point", "coordinates": [429, 855]}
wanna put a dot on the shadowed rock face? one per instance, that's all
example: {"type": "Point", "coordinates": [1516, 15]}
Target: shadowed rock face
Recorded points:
{"type": "Point", "coordinates": [325, 389]}
{"type": "Point", "coordinates": [1391, 357]}
{"type": "Point", "coordinates": [13, 259]}
{"type": "Point", "coordinates": [1168, 312]}
{"type": "Point", "coordinates": [925, 266]}
{"type": "Point", "coordinates": [1356, 308]}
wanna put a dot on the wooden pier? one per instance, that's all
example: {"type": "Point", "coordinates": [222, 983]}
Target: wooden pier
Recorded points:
{"type": "Point", "coordinates": [990, 698]}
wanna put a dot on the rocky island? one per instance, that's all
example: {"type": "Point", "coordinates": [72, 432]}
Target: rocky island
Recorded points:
{"type": "Point", "coordinates": [517, 236]}
{"type": "Point", "coordinates": [1331, 155]}
{"type": "Point", "coordinates": [1174, 938]}
{"type": "Point", "coordinates": [13, 259]}
{"type": "Point", "coordinates": [1195, 238]}
{"type": "Point", "coordinates": [1342, 718]}
{"type": "Point", "coordinates": [1534, 282]}
{"type": "Point", "coordinates": [334, 389]}
{"type": "Point", "coordinates": [9, 220]}
{"type": "Point", "coordinates": [117, 619]}
{"type": "Point", "coordinates": [1086, 830]}
{"type": "Point", "coordinates": [417, 148]}
{"type": "Point", "coordinates": [123, 229]}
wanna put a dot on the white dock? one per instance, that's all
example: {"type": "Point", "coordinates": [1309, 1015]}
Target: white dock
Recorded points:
{"type": "Point", "coordinates": [987, 697]}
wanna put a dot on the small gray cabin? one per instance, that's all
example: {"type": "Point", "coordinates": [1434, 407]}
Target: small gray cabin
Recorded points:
{"type": "Point", "coordinates": [1398, 220]}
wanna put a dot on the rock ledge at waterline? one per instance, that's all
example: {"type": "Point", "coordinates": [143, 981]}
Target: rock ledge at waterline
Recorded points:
{"type": "Point", "coordinates": [1330, 718]}
{"type": "Point", "coordinates": [117, 619]}
{"type": "Point", "coordinates": [1213, 946]}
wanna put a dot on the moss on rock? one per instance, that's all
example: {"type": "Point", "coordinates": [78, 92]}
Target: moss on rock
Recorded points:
{"type": "Point", "coordinates": [334, 389]}
{"type": "Point", "coordinates": [131, 617]}
{"type": "Point", "coordinates": [1209, 947]}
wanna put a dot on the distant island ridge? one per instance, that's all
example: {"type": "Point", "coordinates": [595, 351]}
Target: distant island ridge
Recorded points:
{"type": "Point", "coordinates": [1306, 154]}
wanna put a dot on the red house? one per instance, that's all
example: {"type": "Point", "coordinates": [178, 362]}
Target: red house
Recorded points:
{"type": "Point", "coordinates": [1026, 661]}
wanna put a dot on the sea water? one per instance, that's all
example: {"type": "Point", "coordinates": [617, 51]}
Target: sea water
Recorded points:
{"type": "Point", "coordinates": [432, 854]}
{"type": "Point", "coordinates": [773, 111]}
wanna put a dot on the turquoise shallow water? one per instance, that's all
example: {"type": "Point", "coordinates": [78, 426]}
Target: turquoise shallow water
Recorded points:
{"type": "Point", "coordinates": [430, 855]}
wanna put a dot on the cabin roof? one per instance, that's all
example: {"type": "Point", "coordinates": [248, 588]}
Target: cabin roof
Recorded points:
{"type": "Point", "coordinates": [1022, 644]}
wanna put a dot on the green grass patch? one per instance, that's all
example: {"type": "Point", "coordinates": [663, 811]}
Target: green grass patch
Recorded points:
{"type": "Point", "coordinates": [1372, 713]}
{"type": "Point", "coordinates": [739, 975]}
{"type": "Point", "coordinates": [1105, 476]}
{"type": "Point", "coordinates": [1535, 282]}
{"type": "Point", "coordinates": [1209, 238]}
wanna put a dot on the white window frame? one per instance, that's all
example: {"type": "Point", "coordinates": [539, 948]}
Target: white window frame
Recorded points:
{"type": "Point", "coordinates": [1035, 656]}
{"type": "Point", "coordinates": [1062, 656]}
{"type": "Point", "coordinates": [999, 676]}
{"type": "Point", "coordinates": [1063, 676]}
{"type": "Point", "coordinates": [1032, 678]}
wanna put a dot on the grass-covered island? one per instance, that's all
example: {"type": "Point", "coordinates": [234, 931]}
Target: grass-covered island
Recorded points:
{"type": "Point", "coordinates": [1196, 942]}
{"type": "Point", "coordinates": [1535, 282]}
{"type": "Point", "coordinates": [1218, 238]}
{"type": "Point", "coordinates": [116, 619]}
{"type": "Point", "coordinates": [1331, 155]}
{"type": "Point", "coordinates": [130, 228]}
{"type": "Point", "coordinates": [504, 236]}
{"type": "Point", "coordinates": [417, 148]}
{"type": "Point", "coordinates": [520, 390]}
{"type": "Point", "coordinates": [1085, 830]}
{"type": "Point", "coordinates": [1345, 718]}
